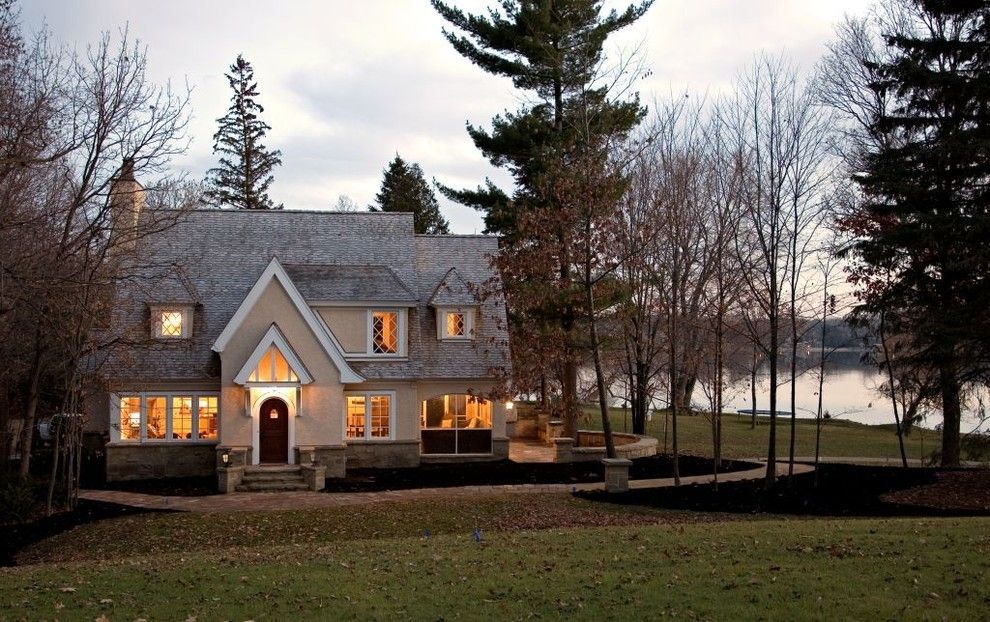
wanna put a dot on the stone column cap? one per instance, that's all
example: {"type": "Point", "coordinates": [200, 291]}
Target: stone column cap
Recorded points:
{"type": "Point", "coordinates": [616, 462]}
{"type": "Point", "coordinates": [563, 440]}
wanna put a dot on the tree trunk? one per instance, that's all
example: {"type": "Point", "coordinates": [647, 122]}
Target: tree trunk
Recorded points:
{"type": "Point", "coordinates": [794, 349]}
{"type": "Point", "coordinates": [889, 365]}
{"type": "Point", "coordinates": [752, 390]}
{"type": "Point", "coordinates": [31, 410]}
{"type": "Point", "coordinates": [951, 414]}
{"type": "Point", "coordinates": [821, 384]}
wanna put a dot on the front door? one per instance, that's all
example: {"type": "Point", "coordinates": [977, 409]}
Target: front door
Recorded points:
{"type": "Point", "coordinates": [273, 431]}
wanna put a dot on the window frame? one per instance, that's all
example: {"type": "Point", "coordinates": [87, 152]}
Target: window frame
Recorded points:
{"type": "Point", "coordinates": [115, 431]}
{"type": "Point", "coordinates": [401, 332]}
{"type": "Point", "coordinates": [367, 395]}
{"type": "Point", "coordinates": [156, 321]}
{"type": "Point", "coordinates": [467, 312]}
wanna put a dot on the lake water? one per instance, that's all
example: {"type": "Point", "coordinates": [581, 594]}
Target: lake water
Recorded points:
{"type": "Point", "coordinates": [850, 393]}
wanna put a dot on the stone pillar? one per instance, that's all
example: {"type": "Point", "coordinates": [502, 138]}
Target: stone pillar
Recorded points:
{"type": "Point", "coordinates": [616, 474]}
{"type": "Point", "coordinates": [315, 476]}
{"type": "Point", "coordinates": [562, 449]}
{"type": "Point", "coordinates": [555, 428]}
{"type": "Point", "coordinates": [305, 455]}
{"type": "Point", "coordinates": [228, 478]}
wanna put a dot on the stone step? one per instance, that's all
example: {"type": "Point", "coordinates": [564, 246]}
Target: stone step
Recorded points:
{"type": "Point", "coordinates": [272, 477]}
{"type": "Point", "coordinates": [271, 486]}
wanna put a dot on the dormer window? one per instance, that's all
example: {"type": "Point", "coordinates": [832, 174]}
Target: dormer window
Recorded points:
{"type": "Point", "coordinates": [171, 322]}
{"type": "Point", "coordinates": [455, 324]}
{"type": "Point", "coordinates": [385, 330]}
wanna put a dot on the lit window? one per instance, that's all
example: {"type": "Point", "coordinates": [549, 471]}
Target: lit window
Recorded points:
{"type": "Point", "coordinates": [171, 322]}
{"type": "Point", "coordinates": [155, 428]}
{"type": "Point", "coordinates": [385, 332]}
{"type": "Point", "coordinates": [355, 416]}
{"type": "Point", "coordinates": [182, 417]}
{"type": "Point", "coordinates": [455, 325]}
{"type": "Point", "coordinates": [456, 424]}
{"type": "Point", "coordinates": [380, 409]}
{"type": "Point", "coordinates": [207, 418]}
{"type": "Point", "coordinates": [369, 416]}
{"type": "Point", "coordinates": [273, 367]}
{"type": "Point", "coordinates": [130, 418]}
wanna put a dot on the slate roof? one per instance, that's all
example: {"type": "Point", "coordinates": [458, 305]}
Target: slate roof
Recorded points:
{"type": "Point", "coordinates": [216, 256]}
{"type": "Point", "coordinates": [330, 283]}
{"type": "Point", "coordinates": [452, 292]}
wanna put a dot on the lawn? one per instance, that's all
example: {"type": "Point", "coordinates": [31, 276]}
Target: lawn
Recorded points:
{"type": "Point", "coordinates": [753, 569]}
{"type": "Point", "coordinates": [840, 439]}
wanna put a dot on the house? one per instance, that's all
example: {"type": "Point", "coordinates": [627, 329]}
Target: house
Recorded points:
{"type": "Point", "coordinates": [298, 338]}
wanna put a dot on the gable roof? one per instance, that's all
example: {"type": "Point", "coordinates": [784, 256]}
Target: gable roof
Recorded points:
{"type": "Point", "coordinates": [350, 284]}
{"type": "Point", "coordinates": [453, 292]}
{"type": "Point", "coordinates": [273, 337]}
{"type": "Point", "coordinates": [275, 272]}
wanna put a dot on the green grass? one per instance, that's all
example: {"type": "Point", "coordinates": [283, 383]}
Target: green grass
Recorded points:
{"type": "Point", "coordinates": [840, 439]}
{"type": "Point", "coordinates": [913, 569]}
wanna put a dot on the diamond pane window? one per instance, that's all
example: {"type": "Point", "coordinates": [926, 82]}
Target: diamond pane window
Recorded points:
{"type": "Point", "coordinates": [171, 324]}
{"type": "Point", "coordinates": [455, 325]}
{"type": "Point", "coordinates": [385, 332]}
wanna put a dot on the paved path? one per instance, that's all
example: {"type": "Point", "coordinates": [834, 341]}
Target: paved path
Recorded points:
{"type": "Point", "coordinates": [264, 501]}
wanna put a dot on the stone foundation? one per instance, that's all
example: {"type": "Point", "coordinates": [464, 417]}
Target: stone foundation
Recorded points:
{"type": "Point", "coordinates": [157, 460]}
{"type": "Point", "coordinates": [383, 454]}
{"type": "Point", "coordinates": [500, 448]}
{"type": "Point", "coordinates": [333, 457]}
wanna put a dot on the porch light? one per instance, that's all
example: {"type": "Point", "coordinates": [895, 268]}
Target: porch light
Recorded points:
{"type": "Point", "coordinates": [509, 405]}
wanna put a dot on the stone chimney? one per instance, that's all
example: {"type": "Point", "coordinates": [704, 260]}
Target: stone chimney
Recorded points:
{"type": "Point", "coordinates": [127, 201]}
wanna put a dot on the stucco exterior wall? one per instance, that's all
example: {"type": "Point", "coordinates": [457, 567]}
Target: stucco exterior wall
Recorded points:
{"type": "Point", "coordinates": [349, 325]}
{"type": "Point", "coordinates": [316, 423]}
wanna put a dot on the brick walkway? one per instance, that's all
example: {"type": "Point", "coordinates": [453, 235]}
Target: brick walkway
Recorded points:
{"type": "Point", "coordinates": [266, 501]}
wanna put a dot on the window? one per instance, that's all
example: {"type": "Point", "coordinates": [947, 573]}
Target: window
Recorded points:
{"type": "Point", "coordinates": [207, 418]}
{"type": "Point", "coordinates": [182, 419]}
{"type": "Point", "coordinates": [156, 418]}
{"type": "Point", "coordinates": [273, 368]}
{"type": "Point", "coordinates": [456, 424]}
{"type": "Point", "coordinates": [369, 415]}
{"type": "Point", "coordinates": [171, 322]}
{"type": "Point", "coordinates": [385, 332]}
{"type": "Point", "coordinates": [165, 417]}
{"type": "Point", "coordinates": [455, 324]}
{"type": "Point", "coordinates": [130, 418]}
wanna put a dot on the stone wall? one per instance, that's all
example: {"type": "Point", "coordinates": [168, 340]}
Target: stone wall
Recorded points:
{"type": "Point", "coordinates": [382, 454]}
{"type": "Point", "coordinates": [591, 446]}
{"type": "Point", "coordinates": [147, 461]}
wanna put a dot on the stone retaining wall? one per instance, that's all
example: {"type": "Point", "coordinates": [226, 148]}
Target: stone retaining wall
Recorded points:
{"type": "Point", "coordinates": [149, 461]}
{"type": "Point", "coordinates": [591, 447]}
{"type": "Point", "coordinates": [382, 454]}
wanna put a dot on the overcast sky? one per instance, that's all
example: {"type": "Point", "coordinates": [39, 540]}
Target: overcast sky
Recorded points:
{"type": "Point", "coordinates": [346, 85]}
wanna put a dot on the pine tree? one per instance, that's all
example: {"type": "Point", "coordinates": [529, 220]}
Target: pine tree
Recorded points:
{"type": "Point", "coordinates": [921, 254]}
{"type": "Point", "coordinates": [245, 172]}
{"type": "Point", "coordinates": [404, 189]}
{"type": "Point", "coordinates": [552, 50]}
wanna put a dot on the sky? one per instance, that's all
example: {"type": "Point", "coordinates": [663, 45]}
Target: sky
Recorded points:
{"type": "Point", "coordinates": [347, 85]}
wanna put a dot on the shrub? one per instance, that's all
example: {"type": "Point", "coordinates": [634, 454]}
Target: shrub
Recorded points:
{"type": "Point", "coordinates": [18, 500]}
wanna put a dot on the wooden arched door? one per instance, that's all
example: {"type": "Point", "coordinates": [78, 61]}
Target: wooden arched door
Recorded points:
{"type": "Point", "coordinates": [273, 431]}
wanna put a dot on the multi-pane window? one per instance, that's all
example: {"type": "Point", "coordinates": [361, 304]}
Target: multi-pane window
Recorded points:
{"type": "Point", "coordinates": [369, 416]}
{"type": "Point", "coordinates": [182, 419]}
{"type": "Point", "coordinates": [455, 324]}
{"type": "Point", "coordinates": [356, 417]}
{"type": "Point", "coordinates": [156, 417]}
{"type": "Point", "coordinates": [130, 418]}
{"type": "Point", "coordinates": [456, 424]}
{"type": "Point", "coordinates": [207, 418]}
{"type": "Point", "coordinates": [165, 417]}
{"type": "Point", "coordinates": [385, 332]}
{"type": "Point", "coordinates": [171, 323]}
{"type": "Point", "coordinates": [273, 368]}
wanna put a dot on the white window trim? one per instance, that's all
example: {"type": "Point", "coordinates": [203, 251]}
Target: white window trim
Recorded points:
{"type": "Point", "coordinates": [469, 313]}
{"type": "Point", "coordinates": [367, 416]}
{"type": "Point", "coordinates": [273, 337]}
{"type": "Point", "coordinates": [401, 350]}
{"type": "Point", "coordinates": [156, 324]}
{"type": "Point", "coordinates": [168, 395]}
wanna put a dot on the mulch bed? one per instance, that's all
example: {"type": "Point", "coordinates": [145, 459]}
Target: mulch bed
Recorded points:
{"type": "Point", "coordinates": [20, 536]}
{"type": "Point", "coordinates": [168, 487]}
{"type": "Point", "coordinates": [842, 490]}
{"type": "Point", "coordinates": [506, 472]}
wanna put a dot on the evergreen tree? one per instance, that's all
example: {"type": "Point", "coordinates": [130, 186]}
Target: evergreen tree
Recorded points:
{"type": "Point", "coordinates": [921, 253]}
{"type": "Point", "coordinates": [245, 172]}
{"type": "Point", "coordinates": [553, 51]}
{"type": "Point", "coordinates": [404, 189]}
